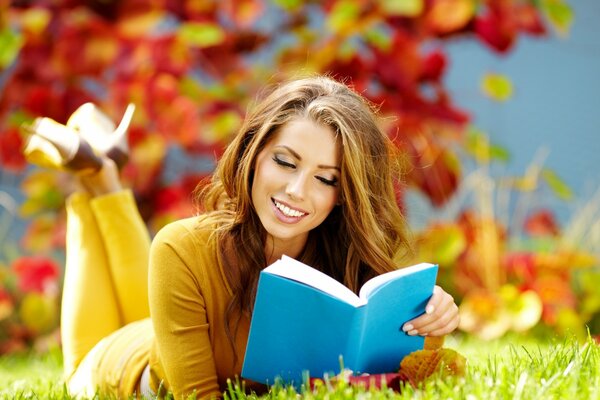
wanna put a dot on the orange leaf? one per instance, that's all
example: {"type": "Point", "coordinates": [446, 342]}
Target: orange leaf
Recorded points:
{"type": "Point", "coordinates": [244, 12]}
{"type": "Point", "coordinates": [6, 304]}
{"type": "Point", "coordinates": [421, 364]}
{"type": "Point", "coordinates": [541, 223]}
{"type": "Point", "coordinates": [434, 342]}
{"type": "Point", "coordinates": [447, 16]}
{"type": "Point", "coordinates": [140, 24]}
{"type": "Point", "coordinates": [484, 314]}
{"type": "Point", "coordinates": [40, 234]}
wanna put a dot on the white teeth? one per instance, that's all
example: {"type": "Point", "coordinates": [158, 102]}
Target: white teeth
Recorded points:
{"type": "Point", "coordinates": [288, 211]}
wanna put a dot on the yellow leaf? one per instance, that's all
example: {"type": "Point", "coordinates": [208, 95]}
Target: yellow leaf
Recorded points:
{"type": "Point", "coordinates": [149, 152]}
{"type": "Point", "coordinates": [10, 45]}
{"type": "Point", "coordinates": [442, 244]}
{"type": "Point", "coordinates": [480, 148]}
{"type": "Point", "coordinates": [35, 20]}
{"type": "Point", "coordinates": [497, 87]}
{"type": "Point", "coordinates": [101, 50]}
{"type": "Point", "coordinates": [42, 191]}
{"type": "Point", "coordinates": [582, 259]}
{"type": "Point", "coordinates": [343, 16]}
{"type": "Point", "coordinates": [525, 308]}
{"type": "Point", "coordinates": [225, 124]}
{"type": "Point", "coordinates": [379, 37]}
{"type": "Point", "coordinates": [560, 15]}
{"type": "Point", "coordinates": [569, 322]}
{"type": "Point", "coordinates": [405, 8]}
{"type": "Point", "coordinates": [347, 50]}
{"type": "Point", "coordinates": [201, 34]}
{"type": "Point", "coordinates": [140, 24]}
{"type": "Point", "coordinates": [558, 186]}
{"type": "Point", "coordinates": [289, 5]}
{"type": "Point", "coordinates": [38, 312]}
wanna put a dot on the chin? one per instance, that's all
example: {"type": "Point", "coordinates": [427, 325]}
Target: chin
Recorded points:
{"type": "Point", "coordinates": [286, 234]}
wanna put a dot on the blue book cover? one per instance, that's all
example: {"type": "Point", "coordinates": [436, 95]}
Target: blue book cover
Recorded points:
{"type": "Point", "coordinates": [304, 321]}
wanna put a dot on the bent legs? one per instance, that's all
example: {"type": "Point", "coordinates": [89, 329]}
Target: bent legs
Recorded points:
{"type": "Point", "coordinates": [127, 245]}
{"type": "Point", "coordinates": [105, 284]}
{"type": "Point", "coordinates": [89, 309]}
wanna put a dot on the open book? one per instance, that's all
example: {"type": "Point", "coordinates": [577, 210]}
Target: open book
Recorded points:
{"type": "Point", "coordinates": [304, 320]}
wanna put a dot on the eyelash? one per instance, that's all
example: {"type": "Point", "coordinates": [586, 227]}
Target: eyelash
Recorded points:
{"type": "Point", "coordinates": [283, 163]}
{"type": "Point", "coordinates": [328, 182]}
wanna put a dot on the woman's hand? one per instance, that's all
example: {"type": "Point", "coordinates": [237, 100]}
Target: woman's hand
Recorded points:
{"type": "Point", "coordinates": [440, 318]}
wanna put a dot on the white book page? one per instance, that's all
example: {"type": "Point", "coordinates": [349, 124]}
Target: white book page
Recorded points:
{"type": "Point", "coordinates": [378, 281]}
{"type": "Point", "coordinates": [290, 268]}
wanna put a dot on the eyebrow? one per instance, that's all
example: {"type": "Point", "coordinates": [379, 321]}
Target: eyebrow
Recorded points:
{"type": "Point", "coordinates": [297, 156]}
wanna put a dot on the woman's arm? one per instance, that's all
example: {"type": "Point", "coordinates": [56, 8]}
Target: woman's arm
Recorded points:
{"type": "Point", "coordinates": [177, 308]}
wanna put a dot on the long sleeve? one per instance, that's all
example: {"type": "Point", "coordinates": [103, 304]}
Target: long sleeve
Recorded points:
{"type": "Point", "coordinates": [188, 297]}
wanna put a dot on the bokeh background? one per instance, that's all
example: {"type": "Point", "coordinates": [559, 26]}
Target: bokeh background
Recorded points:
{"type": "Point", "coordinates": [493, 102]}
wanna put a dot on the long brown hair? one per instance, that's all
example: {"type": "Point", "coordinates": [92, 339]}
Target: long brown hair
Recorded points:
{"type": "Point", "coordinates": [363, 236]}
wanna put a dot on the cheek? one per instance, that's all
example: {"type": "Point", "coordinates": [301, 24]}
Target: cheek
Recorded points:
{"type": "Point", "coordinates": [328, 199]}
{"type": "Point", "coordinates": [262, 174]}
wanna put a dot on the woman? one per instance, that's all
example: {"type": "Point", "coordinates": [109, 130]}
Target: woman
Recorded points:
{"type": "Point", "coordinates": [309, 175]}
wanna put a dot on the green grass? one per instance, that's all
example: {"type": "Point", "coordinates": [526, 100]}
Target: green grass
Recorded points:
{"type": "Point", "coordinates": [511, 368]}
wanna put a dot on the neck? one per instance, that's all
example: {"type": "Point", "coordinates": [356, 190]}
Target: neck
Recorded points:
{"type": "Point", "coordinates": [274, 249]}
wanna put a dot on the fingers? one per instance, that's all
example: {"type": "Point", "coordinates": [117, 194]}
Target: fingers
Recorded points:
{"type": "Point", "coordinates": [440, 318]}
{"type": "Point", "coordinates": [444, 330]}
{"type": "Point", "coordinates": [436, 299]}
{"type": "Point", "coordinates": [446, 323]}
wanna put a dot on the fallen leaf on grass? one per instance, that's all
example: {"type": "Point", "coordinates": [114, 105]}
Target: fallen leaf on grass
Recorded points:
{"type": "Point", "coordinates": [421, 364]}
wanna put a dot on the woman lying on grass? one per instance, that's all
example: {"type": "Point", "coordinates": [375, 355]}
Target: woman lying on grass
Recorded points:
{"type": "Point", "coordinates": [309, 175]}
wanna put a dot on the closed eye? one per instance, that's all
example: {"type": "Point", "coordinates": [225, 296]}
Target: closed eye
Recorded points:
{"type": "Point", "coordinates": [328, 182]}
{"type": "Point", "coordinates": [283, 163]}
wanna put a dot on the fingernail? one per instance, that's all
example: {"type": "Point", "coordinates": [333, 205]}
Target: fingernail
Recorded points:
{"type": "Point", "coordinates": [423, 334]}
{"type": "Point", "coordinates": [407, 327]}
{"type": "Point", "coordinates": [429, 309]}
{"type": "Point", "coordinates": [413, 332]}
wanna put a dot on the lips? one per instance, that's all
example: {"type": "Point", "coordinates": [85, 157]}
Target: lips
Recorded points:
{"type": "Point", "coordinates": [288, 211]}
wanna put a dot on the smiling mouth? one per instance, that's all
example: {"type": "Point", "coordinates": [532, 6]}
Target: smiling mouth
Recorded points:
{"type": "Point", "coordinates": [288, 212]}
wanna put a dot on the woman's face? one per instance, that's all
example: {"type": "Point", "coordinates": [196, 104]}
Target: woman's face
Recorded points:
{"type": "Point", "coordinates": [296, 181]}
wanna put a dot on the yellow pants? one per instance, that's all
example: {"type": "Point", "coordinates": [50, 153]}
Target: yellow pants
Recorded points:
{"type": "Point", "coordinates": [105, 292]}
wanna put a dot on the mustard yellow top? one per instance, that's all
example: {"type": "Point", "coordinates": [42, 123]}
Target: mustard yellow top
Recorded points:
{"type": "Point", "coordinates": [188, 296]}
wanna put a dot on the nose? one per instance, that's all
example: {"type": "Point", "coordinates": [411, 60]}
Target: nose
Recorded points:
{"type": "Point", "coordinates": [296, 187]}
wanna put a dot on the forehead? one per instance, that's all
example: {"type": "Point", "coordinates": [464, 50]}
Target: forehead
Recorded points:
{"type": "Point", "coordinates": [310, 139]}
